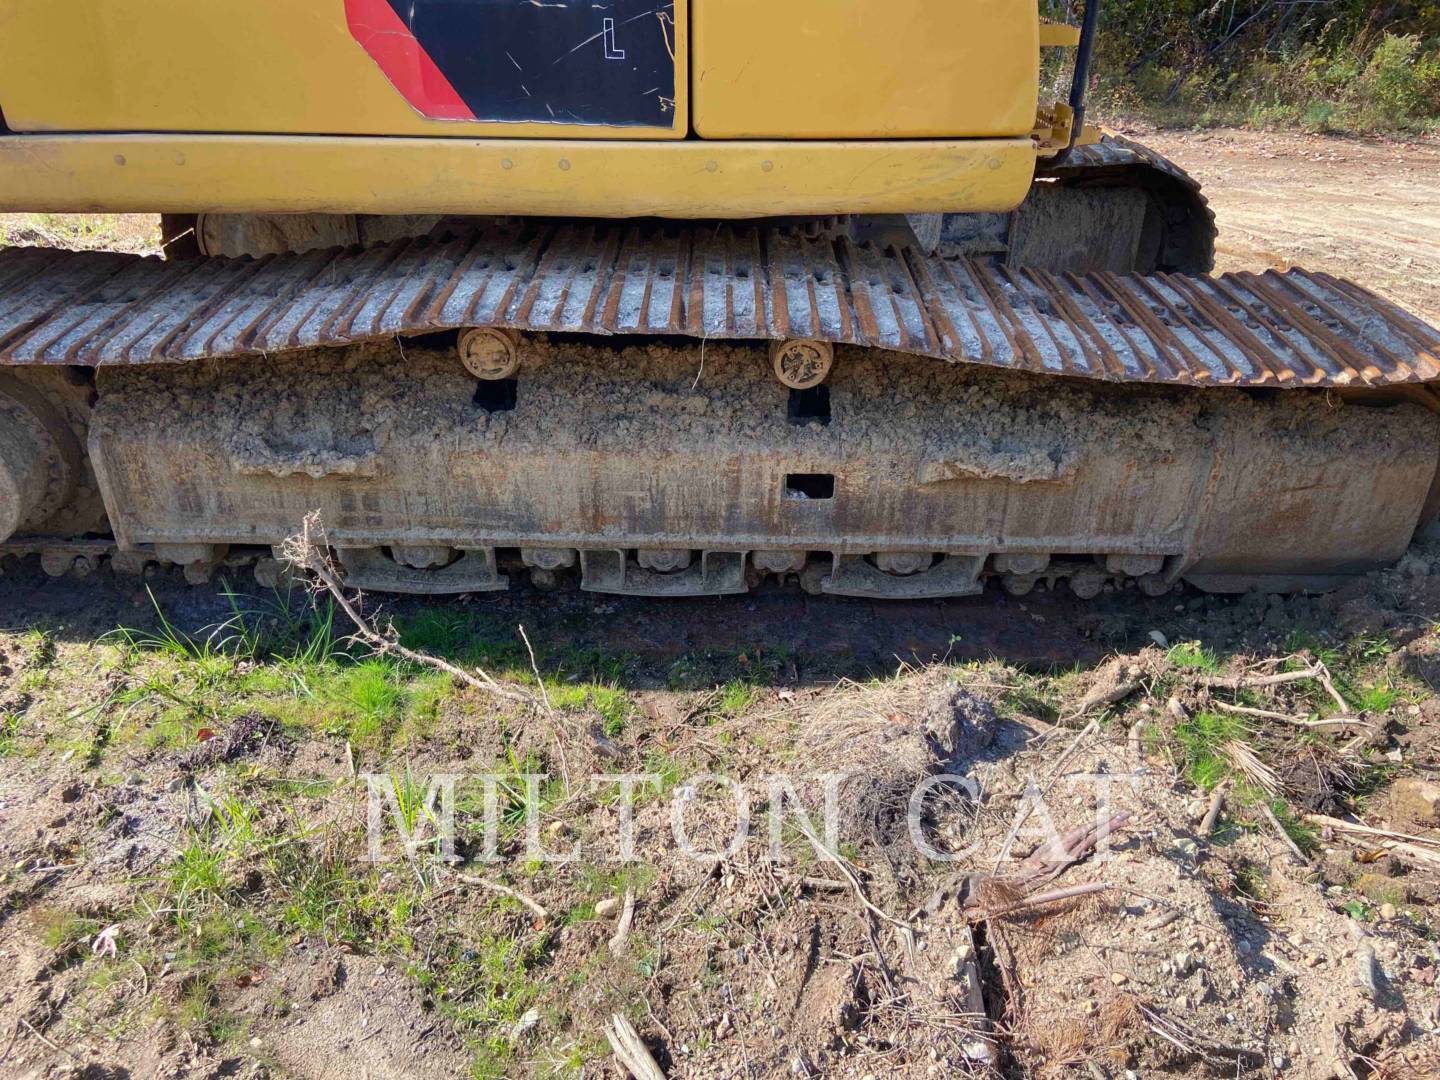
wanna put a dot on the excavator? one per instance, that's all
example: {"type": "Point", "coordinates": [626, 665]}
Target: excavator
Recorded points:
{"type": "Point", "coordinates": [663, 298]}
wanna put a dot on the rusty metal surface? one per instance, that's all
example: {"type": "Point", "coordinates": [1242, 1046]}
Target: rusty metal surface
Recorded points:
{"type": "Point", "coordinates": [1275, 329]}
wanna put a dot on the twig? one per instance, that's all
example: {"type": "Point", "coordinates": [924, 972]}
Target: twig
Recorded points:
{"type": "Point", "coordinates": [1280, 832]}
{"type": "Point", "coordinates": [1355, 827]}
{"type": "Point", "coordinates": [53, 1046]}
{"type": "Point", "coordinates": [14, 1034]}
{"type": "Point", "coordinates": [549, 711]}
{"type": "Point", "coordinates": [622, 930]}
{"type": "Point", "coordinates": [535, 669]}
{"type": "Point", "coordinates": [630, 1051]}
{"type": "Point", "coordinates": [1051, 897]}
{"type": "Point", "coordinates": [1212, 814]}
{"type": "Point", "coordinates": [1242, 682]}
{"type": "Point", "coordinates": [503, 890]}
{"type": "Point", "coordinates": [306, 553]}
{"type": "Point", "coordinates": [850, 875]}
{"type": "Point", "coordinates": [1295, 721]}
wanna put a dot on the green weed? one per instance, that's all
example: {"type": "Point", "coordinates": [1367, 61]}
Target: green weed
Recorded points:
{"type": "Point", "coordinates": [736, 697]}
{"type": "Point", "coordinates": [1203, 737]}
{"type": "Point", "coordinates": [1192, 656]}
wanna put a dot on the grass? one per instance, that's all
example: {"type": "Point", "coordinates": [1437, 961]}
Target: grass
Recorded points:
{"type": "Point", "coordinates": [278, 860]}
{"type": "Point", "coordinates": [1192, 656]}
{"type": "Point", "coordinates": [611, 702]}
{"type": "Point", "coordinates": [1202, 737]}
{"type": "Point", "coordinates": [135, 233]}
{"type": "Point", "coordinates": [9, 733]}
{"type": "Point", "coordinates": [736, 697]}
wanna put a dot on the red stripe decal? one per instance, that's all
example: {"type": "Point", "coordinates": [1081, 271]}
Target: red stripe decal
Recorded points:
{"type": "Point", "coordinates": [377, 28]}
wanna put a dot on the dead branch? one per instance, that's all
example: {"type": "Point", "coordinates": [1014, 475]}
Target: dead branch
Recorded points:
{"type": "Point", "coordinates": [1038, 899]}
{"type": "Point", "coordinates": [306, 551]}
{"type": "Point", "coordinates": [1365, 830]}
{"type": "Point", "coordinates": [1294, 721]}
{"type": "Point", "coordinates": [630, 1051]}
{"type": "Point", "coordinates": [503, 890]}
{"type": "Point", "coordinates": [622, 930]}
{"type": "Point", "coordinates": [1046, 864]}
{"type": "Point", "coordinates": [1137, 753]}
{"type": "Point", "coordinates": [535, 669]}
{"type": "Point", "coordinates": [1280, 832]}
{"type": "Point", "coordinates": [1256, 682]}
{"type": "Point", "coordinates": [1212, 814]}
{"type": "Point", "coordinates": [853, 878]}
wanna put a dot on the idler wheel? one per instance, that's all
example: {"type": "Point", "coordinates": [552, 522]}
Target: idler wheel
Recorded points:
{"type": "Point", "coordinates": [37, 459]}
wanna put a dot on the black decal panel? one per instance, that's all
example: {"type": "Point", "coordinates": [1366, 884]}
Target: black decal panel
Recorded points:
{"type": "Point", "coordinates": [605, 62]}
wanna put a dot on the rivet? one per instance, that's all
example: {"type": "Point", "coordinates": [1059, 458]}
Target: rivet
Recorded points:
{"type": "Point", "coordinates": [119, 159]}
{"type": "Point", "coordinates": [506, 163]}
{"type": "Point", "coordinates": [767, 166]}
{"type": "Point", "coordinates": [564, 164]}
{"type": "Point", "coordinates": [712, 166]}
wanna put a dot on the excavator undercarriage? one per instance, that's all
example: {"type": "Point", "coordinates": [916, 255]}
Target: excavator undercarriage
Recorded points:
{"type": "Point", "coordinates": [663, 408]}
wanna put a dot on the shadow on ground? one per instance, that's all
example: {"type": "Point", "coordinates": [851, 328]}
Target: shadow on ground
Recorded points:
{"type": "Point", "coordinates": [796, 637]}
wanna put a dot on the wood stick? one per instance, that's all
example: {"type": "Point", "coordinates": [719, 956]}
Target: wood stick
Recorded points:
{"type": "Point", "coordinates": [503, 890]}
{"type": "Point", "coordinates": [1051, 897]}
{"type": "Point", "coordinates": [630, 1051]}
{"type": "Point", "coordinates": [1212, 814]}
{"type": "Point", "coordinates": [1280, 831]}
{"type": "Point", "coordinates": [1355, 827]}
{"type": "Point", "coordinates": [1255, 682]}
{"type": "Point", "coordinates": [1329, 721]}
{"type": "Point", "coordinates": [622, 929]}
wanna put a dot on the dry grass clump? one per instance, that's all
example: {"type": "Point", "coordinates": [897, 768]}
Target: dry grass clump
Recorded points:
{"type": "Point", "coordinates": [137, 234]}
{"type": "Point", "coordinates": [886, 739]}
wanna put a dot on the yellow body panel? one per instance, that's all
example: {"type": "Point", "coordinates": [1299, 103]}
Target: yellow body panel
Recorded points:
{"type": "Point", "coordinates": [864, 69]}
{"type": "Point", "coordinates": [265, 66]}
{"type": "Point", "coordinates": [1054, 35]}
{"type": "Point", "coordinates": [691, 179]}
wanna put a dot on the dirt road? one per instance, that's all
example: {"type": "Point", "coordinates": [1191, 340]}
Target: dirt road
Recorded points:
{"type": "Point", "coordinates": [1365, 209]}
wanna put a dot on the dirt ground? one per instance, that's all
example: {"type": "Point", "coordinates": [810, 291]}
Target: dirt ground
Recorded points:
{"type": "Point", "coordinates": [186, 893]}
{"type": "Point", "coordinates": [1366, 209]}
{"type": "Point", "coordinates": [1191, 836]}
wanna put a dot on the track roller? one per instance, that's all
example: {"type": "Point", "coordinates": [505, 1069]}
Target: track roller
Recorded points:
{"type": "Point", "coordinates": [490, 353]}
{"type": "Point", "coordinates": [802, 364]}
